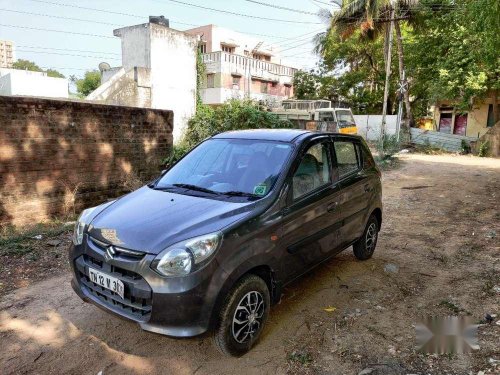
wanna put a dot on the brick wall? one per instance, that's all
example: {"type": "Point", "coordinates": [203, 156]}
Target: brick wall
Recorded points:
{"type": "Point", "coordinates": [57, 157]}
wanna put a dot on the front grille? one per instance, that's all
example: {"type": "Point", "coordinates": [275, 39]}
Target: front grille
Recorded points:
{"type": "Point", "coordinates": [119, 251]}
{"type": "Point", "coordinates": [137, 300]}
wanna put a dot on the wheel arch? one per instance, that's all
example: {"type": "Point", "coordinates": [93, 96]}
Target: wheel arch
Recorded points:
{"type": "Point", "coordinates": [378, 214]}
{"type": "Point", "coordinates": [264, 271]}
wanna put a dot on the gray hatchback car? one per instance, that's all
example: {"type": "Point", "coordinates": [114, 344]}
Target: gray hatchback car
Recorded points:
{"type": "Point", "coordinates": [210, 244]}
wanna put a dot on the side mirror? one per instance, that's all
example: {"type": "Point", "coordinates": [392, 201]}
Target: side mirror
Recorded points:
{"type": "Point", "coordinates": [163, 172]}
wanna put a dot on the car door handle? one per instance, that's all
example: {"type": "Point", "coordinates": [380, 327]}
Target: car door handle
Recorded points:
{"type": "Point", "coordinates": [332, 206]}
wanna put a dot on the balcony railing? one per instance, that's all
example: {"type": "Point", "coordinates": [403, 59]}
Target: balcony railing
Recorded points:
{"type": "Point", "coordinates": [244, 64]}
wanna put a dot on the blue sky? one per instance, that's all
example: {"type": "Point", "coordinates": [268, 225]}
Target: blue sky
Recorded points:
{"type": "Point", "coordinates": [52, 49]}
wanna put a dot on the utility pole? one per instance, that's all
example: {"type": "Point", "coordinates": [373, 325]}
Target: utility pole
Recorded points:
{"type": "Point", "coordinates": [387, 76]}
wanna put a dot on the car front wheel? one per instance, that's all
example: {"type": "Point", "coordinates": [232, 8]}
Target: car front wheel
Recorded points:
{"type": "Point", "coordinates": [365, 246]}
{"type": "Point", "coordinates": [242, 317]}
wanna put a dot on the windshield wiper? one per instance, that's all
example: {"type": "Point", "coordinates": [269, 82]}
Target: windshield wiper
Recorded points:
{"type": "Point", "coordinates": [196, 188]}
{"type": "Point", "coordinates": [240, 194]}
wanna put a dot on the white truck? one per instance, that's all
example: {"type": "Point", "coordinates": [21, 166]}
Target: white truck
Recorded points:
{"type": "Point", "coordinates": [317, 115]}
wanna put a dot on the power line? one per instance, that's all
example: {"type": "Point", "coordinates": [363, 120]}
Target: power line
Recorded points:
{"type": "Point", "coordinates": [72, 50]}
{"type": "Point", "coordinates": [66, 54]}
{"type": "Point", "coordinates": [139, 17]}
{"type": "Point", "coordinates": [103, 11]}
{"type": "Point", "coordinates": [282, 8]}
{"type": "Point", "coordinates": [329, 4]}
{"type": "Point", "coordinates": [65, 68]}
{"type": "Point", "coordinates": [59, 17]}
{"type": "Point", "coordinates": [299, 40]}
{"type": "Point", "coordinates": [58, 31]}
{"type": "Point", "coordinates": [239, 14]}
{"type": "Point", "coordinates": [299, 45]}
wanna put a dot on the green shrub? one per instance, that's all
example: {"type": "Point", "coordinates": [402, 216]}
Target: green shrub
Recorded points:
{"type": "Point", "coordinates": [484, 148]}
{"type": "Point", "coordinates": [232, 115]}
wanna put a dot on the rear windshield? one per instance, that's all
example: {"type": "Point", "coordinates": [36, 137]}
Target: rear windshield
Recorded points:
{"type": "Point", "coordinates": [231, 165]}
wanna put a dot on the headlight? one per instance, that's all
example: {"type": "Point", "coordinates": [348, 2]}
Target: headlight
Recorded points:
{"type": "Point", "coordinates": [84, 219]}
{"type": "Point", "coordinates": [80, 225]}
{"type": "Point", "coordinates": [183, 257]}
{"type": "Point", "coordinates": [176, 262]}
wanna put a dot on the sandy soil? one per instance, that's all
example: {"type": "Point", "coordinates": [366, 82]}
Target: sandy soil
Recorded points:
{"type": "Point", "coordinates": [441, 229]}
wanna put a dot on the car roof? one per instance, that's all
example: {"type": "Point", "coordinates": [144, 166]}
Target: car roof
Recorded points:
{"type": "Point", "coordinates": [280, 135]}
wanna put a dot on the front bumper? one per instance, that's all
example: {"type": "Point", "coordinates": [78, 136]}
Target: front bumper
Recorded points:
{"type": "Point", "coordinates": [180, 307]}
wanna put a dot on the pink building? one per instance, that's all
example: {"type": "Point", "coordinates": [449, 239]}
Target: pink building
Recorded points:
{"type": "Point", "coordinates": [240, 66]}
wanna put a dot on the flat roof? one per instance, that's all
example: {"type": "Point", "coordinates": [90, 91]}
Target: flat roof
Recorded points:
{"type": "Point", "coordinates": [281, 135]}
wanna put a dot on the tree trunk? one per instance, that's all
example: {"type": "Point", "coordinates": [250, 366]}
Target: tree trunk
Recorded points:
{"type": "Point", "coordinates": [388, 49]}
{"type": "Point", "coordinates": [494, 98]}
{"type": "Point", "coordinates": [409, 121]}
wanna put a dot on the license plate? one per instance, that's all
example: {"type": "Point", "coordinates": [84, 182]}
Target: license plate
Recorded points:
{"type": "Point", "coordinates": [106, 281]}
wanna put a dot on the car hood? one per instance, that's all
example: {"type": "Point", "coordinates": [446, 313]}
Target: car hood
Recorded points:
{"type": "Point", "coordinates": [150, 220]}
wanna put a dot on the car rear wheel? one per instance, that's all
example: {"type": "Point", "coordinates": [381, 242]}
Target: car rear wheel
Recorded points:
{"type": "Point", "coordinates": [365, 246]}
{"type": "Point", "coordinates": [243, 316]}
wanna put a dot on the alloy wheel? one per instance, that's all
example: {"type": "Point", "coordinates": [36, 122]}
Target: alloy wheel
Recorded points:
{"type": "Point", "coordinates": [371, 237]}
{"type": "Point", "coordinates": [247, 319]}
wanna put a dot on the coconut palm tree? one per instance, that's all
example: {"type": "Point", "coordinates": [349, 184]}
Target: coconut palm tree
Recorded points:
{"type": "Point", "coordinates": [373, 17]}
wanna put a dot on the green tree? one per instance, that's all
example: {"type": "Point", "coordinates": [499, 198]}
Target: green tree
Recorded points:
{"type": "Point", "coordinates": [87, 84]}
{"type": "Point", "coordinates": [371, 18]}
{"type": "Point", "coordinates": [26, 65]}
{"type": "Point", "coordinates": [232, 115]}
{"type": "Point", "coordinates": [453, 54]}
{"type": "Point", "coordinates": [54, 73]}
{"type": "Point", "coordinates": [31, 66]}
{"type": "Point", "coordinates": [306, 84]}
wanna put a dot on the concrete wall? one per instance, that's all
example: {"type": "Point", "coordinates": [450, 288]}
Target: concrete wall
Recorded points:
{"type": "Point", "coordinates": [449, 142]}
{"type": "Point", "coordinates": [492, 139]}
{"type": "Point", "coordinates": [27, 83]}
{"type": "Point", "coordinates": [173, 74]}
{"type": "Point", "coordinates": [58, 156]}
{"type": "Point", "coordinates": [369, 125]}
{"type": "Point", "coordinates": [159, 71]}
{"type": "Point", "coordinates": [130, 88]}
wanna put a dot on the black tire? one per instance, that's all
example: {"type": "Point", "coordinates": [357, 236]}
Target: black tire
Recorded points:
{"type": "Point", "coordinates": [365, 246]}
{"type": "Point", "coordinates": [249, 289]}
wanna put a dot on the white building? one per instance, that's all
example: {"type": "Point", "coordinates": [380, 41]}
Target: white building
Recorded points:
{"type": "Point", "coordinates": [239, 66]}
{"type": "Point", "coordinates": [158, 71]}
{"type": "Point", "coordinates": [28, 83]}
{"type": "Point", "coordinates": [7, 56]}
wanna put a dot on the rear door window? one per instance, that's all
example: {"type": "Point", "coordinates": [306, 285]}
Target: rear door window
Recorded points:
{"type": "Point", "coordinates": [313, 171]}
{"type": "Point", "coordinates": [347, 158]}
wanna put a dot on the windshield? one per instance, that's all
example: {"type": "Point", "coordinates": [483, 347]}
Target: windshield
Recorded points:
{"type": "Point", "coordinates": [232, 166]}
{"type": "Point", "coordinates": [326, 116]}
{"type": "Point", "coordinates": [345, 118]}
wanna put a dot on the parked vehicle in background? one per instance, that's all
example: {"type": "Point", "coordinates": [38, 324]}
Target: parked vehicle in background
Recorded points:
{"type": "Point", "coordinates": [212, 242]}
{"type": "Point", "coordinates": [317, 115]}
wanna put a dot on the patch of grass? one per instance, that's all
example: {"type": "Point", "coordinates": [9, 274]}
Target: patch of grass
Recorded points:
{"type": "Point", "coordinates": [19, 242]}
{"type": "Point", "coordinates": [429, 149]}
{"type": "Point", "coordinates": [489, 279]}
{"type": "Point", "coordinates": [301, 357]}
{"type": "Point", "coordinates": [386, 162]}
{"type": "Point", "coordinates": [439, 257]}
{"type": "Point", "coordinates": [453, 307]}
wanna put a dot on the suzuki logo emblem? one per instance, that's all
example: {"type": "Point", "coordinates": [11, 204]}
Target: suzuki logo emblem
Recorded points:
{"type": "Point", "coordinates": [110, 253]}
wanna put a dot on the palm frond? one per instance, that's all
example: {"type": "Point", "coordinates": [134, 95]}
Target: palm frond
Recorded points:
{"type": "Point", "coordinates": [319, 41]}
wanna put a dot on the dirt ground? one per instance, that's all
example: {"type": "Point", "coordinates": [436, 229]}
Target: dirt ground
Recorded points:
{"type": "Point", "coordinates": [440, 234]}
